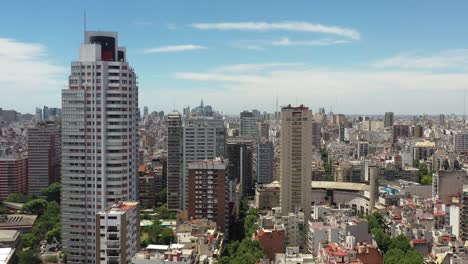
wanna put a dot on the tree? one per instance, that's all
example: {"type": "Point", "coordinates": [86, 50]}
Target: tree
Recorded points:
{"type": "Point", "coordinates": [401, 242]}
{"type": "Point", "coordinates": [416, 163]}
{"type": "Point", "coordinates": [29, 240]}
{"type": "Point", "coordinates": [426, 180]}
{"type": "Point", "coordinates": [167, 236]}
{"type": "Point", "coordinates": [18, 198]}
{"type": "Point", "coordinates": [36, 206]}
{"type": "Point", "coordinates": [161, 197]}
{"type": "Point", "coordinates": [394, 256]}
{"type": "Point", "coordinates": [52, 193]}
{"type": "Point", "coordinates": [52, 259]}
{"type": "Point", "coordinates": [28, 257]}
{"type": "Point", "coordinates": [164, 213]}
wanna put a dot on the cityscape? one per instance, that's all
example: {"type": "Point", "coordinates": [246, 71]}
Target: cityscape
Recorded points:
{"type": "Point", "coordinates": [311, 145]}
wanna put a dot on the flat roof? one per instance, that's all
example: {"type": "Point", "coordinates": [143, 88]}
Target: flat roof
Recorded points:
{"type": "Point", "coordinates": [8, 235]}
{"type": "Point", "coordinates": [6, 254]}
{"type": "Point", "coordinates": [350, 186]}
{"type": "Point", "coordinates": [18, 220]}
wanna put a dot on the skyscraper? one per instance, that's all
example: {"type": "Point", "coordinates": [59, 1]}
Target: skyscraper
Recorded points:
{"type": "Point", "coordinates": [265, 162]}
{"type": "Point", "coordinates": [204, 139]}
{"type": "Point", "coordinates": [99, 143]}
{"type": "Point", "coordinates": [13, 175]}
{"type": "Point", "coordinates": [44, 156]}
{"type": "Point", "coordinates": [248, 124]}
{"type": "Point", "coordinates": [175, 161]}
{"type": "Point", "coordinates": [296, 158]}
{"type": "Point", "coordinates": [399, 131]}
{"type": "Point", "coordinates": [240, 155]}
{"type": "Point", "coordinates": [316, 134]}
{"type": "Point", "coordinates": [388, 119]}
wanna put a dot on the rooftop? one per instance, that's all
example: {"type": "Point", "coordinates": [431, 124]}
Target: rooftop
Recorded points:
{"type": "Point", "coordinates": [6, 254]}
{"type": "Point", "coordinates": [17, 221]}
{"type": "Point", "coordinates": [8, 235]}
{"type": "Point", "coordinates": [349, 186]}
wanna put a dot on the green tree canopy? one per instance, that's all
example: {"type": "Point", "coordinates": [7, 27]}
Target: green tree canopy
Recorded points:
{"type": "Point", "coordinates": [52, 193]}
{"type": "Point", "coordinates": [28, 257]}
{"type": "Point", "coordinates": [36, 206]}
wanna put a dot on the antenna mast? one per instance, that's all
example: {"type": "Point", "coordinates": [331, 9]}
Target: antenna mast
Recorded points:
{"type": "Point", "coordinates": [84, 26]}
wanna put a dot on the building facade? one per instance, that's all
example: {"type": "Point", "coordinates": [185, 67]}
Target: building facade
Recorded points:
{"type": "Point", "coordinates": [265, 154]}
{"type": "Point", "coordinates": [296, 158]}
{"type": "Point", "coordinates": [44, 156]}
{"type": "Point", "coordinates": [13, 176]}
{"type": "Point", "coordinates": [175, 161]}
{"type": "Point", "coordinates": [388, 119]}
{"type": "Point", "coordinates": [99, 141]}
{"type": "Point", "coordinates": [248, 124]}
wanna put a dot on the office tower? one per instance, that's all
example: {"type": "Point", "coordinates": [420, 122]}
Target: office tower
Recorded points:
{"type": "Point", "coordinates": [45, 113]}
{"type": "Point", "coordinates": [388, 119]}
{"type": "Point", "coordinates": [442, 120]}
{"type": "Point", "coordinates": [296, 159]}
{"type": "Point", "coordinates": [256, 113]}
{"type": "Point", "coordinates": [204, 139]}
{"type": "Point", "coordinates": [363, 149]}
{"type": "Point", "coordinates": [316, 134]}
{"type": "Point", "coordinates": [240, 155]}
{"type": "Point", "coordinates": [339, 119]}
{"type": "Point", "coordinates": [265, 154]}
{"type": "Point", "coordinates": [418, 131]}
{"type": "Point", "coordinates": [38, 114]}
{"type": "Point", "coordinates": [13, 175]}
{"type": "Point", "coordinates": [44, 156]}
{"type": "Point", "coordinates": [341, 133]}
{"type": "Point", "coordinates": [464, 215]}
{"type": "Point", "coordinates": [99, 141]}
{"type": "Point", "coordinates": [117, 233]}
{"type": "Point", "coordinates": [175, 161]}
{"type": "Point", "coordinates": [399, 131]}
{"type": "Point", "coordinates": [265, 131]}
{"type": "Point", "coordinates": [460, 142]}
{"type": "Point", "coordinates": [248, 124]}
{"type": "Point", "coordinates": [145, 111]}
{"type": "Point", "coordinates": [208, 192]}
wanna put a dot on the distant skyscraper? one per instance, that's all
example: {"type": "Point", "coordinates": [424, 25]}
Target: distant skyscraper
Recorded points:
{"type": "Point", "coordinates": [240, 155]}
{"type": "Point", "coordinates": [100, 145]}
{"type": "Point", "coordinates": [145, 111]}
{"type": "Point", "coordinates": [442, 119]}
{"type": "Point", "coordinates": [388, 119]}
{"type": "Point", "coordinates": [248, 124]}
{"type": "Point", "coordinates": [316, 134]}
{"type": "Point", "coordinates": [38, 114]}
{"type": "Point", "coordinates": [265, 163]}
{"type": "Point", "coordinates": [265, 131]}
{"type": "Point", "coordinates": [175, 161]}
{"type": "Point", "coordinates": [460, 142]}
{"type": "Point", "coordinates": [363, 149]}
{"type": "Point", "coordinates": [418, 131]}
{"type": "Point", "coordinates": [296, 158]}
{"type": "Point", "coordinates": [44, 156]}
{"type": "Point", "coordinates": [399, 131]}
{"type": "Point", "coordinates": [341, 133]}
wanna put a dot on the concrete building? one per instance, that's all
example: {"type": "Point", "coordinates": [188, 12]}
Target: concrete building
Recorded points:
{"type": "Point", "coordinates": [293, 256]}
{"type": "Point", "coordinates": [44, 156]}
{"type": "Point", "coordinates": [240, 155]}
{"type": "Point", "coordinates": [296, 159]}
{"type": "Point", "coordinates": [423, 150]}
{"type": "Point", "coordinates": [388, 119]}
{"type": "Point", "coordinates": [460, 142]}
{"type": "Point", "coordinates": [318, 233]}
{"type": "Point", "coordinates": [99, 141]}
{"type": "Point", "coordinates": [265, 131]}
{"type": "Point", "coordinates": [447, 184]}
{"type": "Point", "coordinates": [271, 241]}
{"type": "Point", "coordinates": [204, 139]}
{"type": "Point", "coordinates": [316, 134]}
{"type": "Point", "coordinates": [208, 192]}
{"type": "Point", "coordinates": [418, 131]}
{"type": "Point", "coordinates": [464, 215]}
{"type": "Point", "coordinates": [267, 196]}
{"type": "Point", "coordinates": [118, 233]}
{"type": "Point", "coordinates": [13, 176]}
{"type": "Point", "coordinates": [248, 124]}
{"type": "Point", "coordinates": [175, 161]}
{"type": "Point", "coordinates": [442, 120]}
{"type": "Point", "coordinates": [363, 149]}
{"type": "Point", "coordinates": [399, 131]}
{"type": "Point", "coordinates": [265, 155]}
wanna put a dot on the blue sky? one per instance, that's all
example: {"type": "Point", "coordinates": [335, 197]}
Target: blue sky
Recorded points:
{"type": "Point", "coordinates": [352, 56]}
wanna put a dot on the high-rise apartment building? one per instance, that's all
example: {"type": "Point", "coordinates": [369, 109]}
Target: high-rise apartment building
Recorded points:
{"type": "Point", "coordinates": [316, 134]}
{"type": "Point", "coordinates": [265, 154]}
{"type": "Point", "coordinates": [118, 233]}
{"type": "Point", "coordinates": [204, 139]}
{"type": "Point", "coordinates": [175, 161]}
{"type": "Point", "coordinates": [442, 120]}
{"type": "Point", "coordinates": [248, 124]}
{"type": "Point", "coordinates": [13, 175]}
{"type": "Point", "coordinates": [399, 131]}
{"type": "Point", "coordinates": [418, 131]}
{"type": "Point", "coordinates": [265, 131]}
{"type": "Point", "coordinates": [208, 192]}
{"type": "Point", "coordinates": [296, 159]}
{"type": "Point", "coordinates": [240, 155]}
{"type": "Point", "coordinates": [99, 142]}
{"type": "Point", "coordinates": [44, 156]}
{"type": "Point", "coordinates": [460, 142]}
{"type": "Point", "coordinates": [388, 119]}
{"type": "Point", "coordinates": [464, 215]}
{"type": "Point", "coordinates": [363, 149]}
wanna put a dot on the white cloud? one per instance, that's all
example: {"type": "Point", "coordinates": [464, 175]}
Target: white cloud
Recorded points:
{"type": "Point", "coordinates": [453, 59]}
{"type": "Point", "coordinates": [360, 91]}
{"type": "Point", "coordinates": [175, 48]}
{"type": "Point", "coordinates": [255, 67]}
{"type": "Point", "coordinates": [319, 42]}
{"type": "Point", "coordinates": [24, 71]}
{"type": "Point", "coordinates": [286, 25]}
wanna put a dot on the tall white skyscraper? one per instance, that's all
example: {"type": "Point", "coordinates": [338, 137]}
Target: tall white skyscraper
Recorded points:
{"type": "Point", "coordinates": [99, 143]}
{"type": "Point", "coordinates": [296, 158]}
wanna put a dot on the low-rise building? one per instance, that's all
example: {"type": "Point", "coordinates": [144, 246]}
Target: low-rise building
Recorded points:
{"type": "Point", "coordinates": [267, 196]}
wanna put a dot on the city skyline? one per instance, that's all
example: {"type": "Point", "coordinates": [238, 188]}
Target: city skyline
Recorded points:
{"type": "Point", "coordinates": [228, 53]}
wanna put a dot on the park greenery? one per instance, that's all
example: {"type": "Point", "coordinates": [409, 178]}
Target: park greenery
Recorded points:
{"type": "Point", "coordinates": [48, 224]}
{"type": "Point", "coordinates": [425, 173]}
{"type": "Point", "coordinates": [396, 250]}
{"type": "Point", "coordinates": [243, 249]}
{"type": "Point", "coordinates": [155, 233]}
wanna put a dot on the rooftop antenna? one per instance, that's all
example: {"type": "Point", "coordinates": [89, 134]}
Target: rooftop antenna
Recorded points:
{"type": "Point", "coordinates": [464, 106]}
{"type": "Point", "coordinates": [84, 26]}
